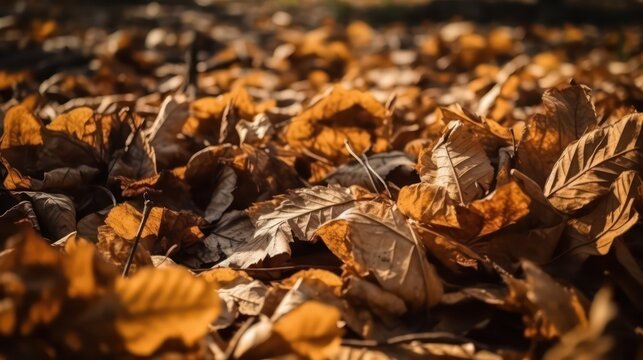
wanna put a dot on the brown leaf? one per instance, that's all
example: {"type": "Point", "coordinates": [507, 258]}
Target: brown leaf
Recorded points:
{"type": "Point", "coordinates": [614, 215]}
{"type": "Point", "coordinates": [20, 128]}
{"type": "Point", "coordinates": [569, 113]}
{"type": "Point", "coordinates": [56, 213]}
{"type": "Point", "coordinates": [303, 211]}
{"type": "Point", "coordinates": [549, 309]}
{"type": "Point", "coordinates": [376, 238]}
{"type": "Point", "coordinates": [462, 166]}
{"type": "Point", "coordinates": [588, 167]}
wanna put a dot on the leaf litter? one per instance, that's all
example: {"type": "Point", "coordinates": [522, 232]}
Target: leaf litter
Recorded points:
{"type": "Point", "coordinates": [282, 187]}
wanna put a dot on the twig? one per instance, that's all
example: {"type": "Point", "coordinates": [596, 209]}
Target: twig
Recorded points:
{"type": "Point", "coordinates": [370, 168]}
{"type": "Point", "coordinates": [146, 213]}
{"type": "Point", "coordinates": [427, 337]}
{"type": "Point", "coordinates": [354, 155]}
{"type": "Point", "coordinates": [276, 268]}
{"type": "Point", "coordinates": [229, 351]}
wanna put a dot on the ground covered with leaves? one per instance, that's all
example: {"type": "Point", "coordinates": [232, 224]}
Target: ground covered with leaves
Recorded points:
{"type": "Point", "coordinates": [179, 182]}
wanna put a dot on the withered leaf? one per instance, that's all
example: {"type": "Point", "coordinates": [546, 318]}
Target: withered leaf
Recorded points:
{"type": "Point", "coordinates": [300, 214]}
{"type": "Point", "coordinates": [56, 213]}
{"type": "Point", "coordinates": [587, 167]}
{"type": "Point", "coordinates": [569, 113]}
{"type": "Point", "coordinates": [163, 134]}
{"type": "Point", "coordinates": [549, 309]}
{"type": "Point", "coordinates": [612, 217]}
{"type": "Point", "coordinates": [162, 304]}
{"type": "Point", "coordinates": [343, 114]}
{"type": "Point", "coordinates": [309, 331]}
{"type": "Point", "coordinates": [136, 161]}
{"type": "Point", "coordinates": [80, 124]}
{"type": "Point", "coordinates": [20, 128]}
{"type": "Point", "coordinates": [222, 195]}
{"type": "Point", "coordinates": [504, 206]}
{"type": "Point", "coordinates": [431, 205]}
{"type": "Point", "coordinates": [461, 164]}
{"type": "Point", "coordinates": [376, 238]}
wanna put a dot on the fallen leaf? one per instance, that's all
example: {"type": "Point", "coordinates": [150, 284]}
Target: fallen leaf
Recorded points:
{"type": "Point", "coordinates": [300, 214]}
{"type": "Point", "coordinates": [614, 214]}
{"type": "Point", "coordinates": [162, 304]}
{"type": "Point", "coordinates": [461, 164]}
{"type": "Point", "coordinates": [587, 167]}
{"type": "Point", "coordinates": [376, 238]}
{"type": "Point", "coordinates": [342, 115]}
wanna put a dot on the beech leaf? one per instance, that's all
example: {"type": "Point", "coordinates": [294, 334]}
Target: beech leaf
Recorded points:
{"type": "Point", "coordinates": [461, 164]}
{"type": "Point", "coordinates": [588, 167]}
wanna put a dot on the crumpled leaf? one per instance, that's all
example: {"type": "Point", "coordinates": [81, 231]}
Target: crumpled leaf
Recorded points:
{"type": "Point", "coordinates": [431, 205]}
{"type": "Point", "coordinates": [588, 167]}
{"type": "Point", "coordinates": [504, 206]}
{"type": "Point", "coordinates": [309, 331]}
{"type": "Point", "coordinates": [549, 309]}
{"type": "Point", "coordinates": [375, 238]}
{"type": "Point", "coordinates": [20, 128]}
{"type": "Point", "coordinates": [136, 161]}
{"type": "Point", "coordinates": [56, 213]}
{"type": "Point", "coordinates": [461, 164]}
{"type": "Point", "coordinates": [342, 114]}
{"type": "Point", "coordinates": [81, 124]}
{"type": "Point", "coordinates": [614, 214]}
{"type": "Point", "coordinates": [300, 214]}
{"type": "Point", "coordinates": [162, 304]}
{"type": "Point", "coordinates": [162, 229]}
{"type": "Point", "coordinates": [239, 293]}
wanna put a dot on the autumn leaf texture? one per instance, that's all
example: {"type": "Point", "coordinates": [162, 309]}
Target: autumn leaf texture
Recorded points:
{"type": "Point", "coordinates": [281, 180]}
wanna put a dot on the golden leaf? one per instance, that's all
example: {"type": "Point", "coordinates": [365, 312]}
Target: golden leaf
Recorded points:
{"type": "Point", "coordinates": [614, 215]}
{"type": "Point", "coordinates": [162, 304]}
{"type": "Point", "coordinates": [342, 115]}
{"type": "Point", "coordinates": [503, 207]}
{"type": "Point", "coordinates": [20, 128]}
{"type": "Point", "coordinates": [79, 123]}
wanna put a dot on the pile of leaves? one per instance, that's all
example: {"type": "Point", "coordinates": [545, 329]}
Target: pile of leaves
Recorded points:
{"type": "Point", "coordinates": [192, 185]}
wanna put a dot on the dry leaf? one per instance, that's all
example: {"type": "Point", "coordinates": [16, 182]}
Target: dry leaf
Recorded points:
{"type": "Point", "coordinates": [430, 205]}
{"type": "Point", "coordinates": [613, 216]}
{"type": "Point", "coordinates": [376, 238]}
{"type": "Point", "coordinates": [550, 310]}
{"type": "Point", "coordinates": [503, 207]}
{"type": "Point", "coordinates": [162, 304]}
{"type": "Point", "coordinates": [587, 168]}
{"type": "Point", "coordinates": [300, 214]}
{"type": "Point", "coordinates": [342, 115]}
{"type": "Point", "coordinates": [461, 164]}
{"type": "Point", "coordinates": [308, 331]}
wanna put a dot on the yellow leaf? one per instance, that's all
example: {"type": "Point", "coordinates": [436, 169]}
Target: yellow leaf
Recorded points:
{"type": "Point", "coordinates": [21, 128]}
{"type": "Point", "coordinates": [78, 123]}
{"type": "Point", "coordinates": [162, 304]}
